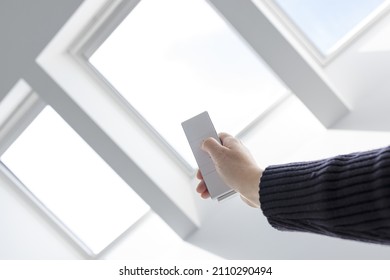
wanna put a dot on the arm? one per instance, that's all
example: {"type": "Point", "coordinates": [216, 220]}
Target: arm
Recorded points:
{"type": "Point", "coordinates": [345, 196]}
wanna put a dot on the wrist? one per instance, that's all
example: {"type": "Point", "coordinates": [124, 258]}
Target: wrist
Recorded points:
{"type": "Point", "coordinates": [251, 190]}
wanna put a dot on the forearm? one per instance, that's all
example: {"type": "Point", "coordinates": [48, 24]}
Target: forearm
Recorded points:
{"type": "Point", "coordinates": [345, 196]}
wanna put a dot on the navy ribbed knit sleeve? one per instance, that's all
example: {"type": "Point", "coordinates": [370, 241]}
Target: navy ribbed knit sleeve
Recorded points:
{"type": "Point", "coordinates": [346, 196]}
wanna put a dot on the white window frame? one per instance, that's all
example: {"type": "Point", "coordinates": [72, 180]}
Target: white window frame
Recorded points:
{"type": "Point", "coordinates": [178, 212]}
{"type": "Point", "coordinates": [26, 106]}
{"type": "Point", "coordinates": [30, 112]}
{"type": "Point", "coordinates": [23, 105]}
{"type": "Point", "coordinates": [344, 43]}
{"type": "Point", "coordinates": [81, 102]}
{"type": "Point", "coordinates": [109, 19]}
{"type": "Point", "coordinates": [48, 213]}
{"type": "Point", "coordinates": [12, 126]}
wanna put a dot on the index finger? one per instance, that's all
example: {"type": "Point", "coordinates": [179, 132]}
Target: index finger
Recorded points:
{"type": "Point", "coordinates": [223, 136]}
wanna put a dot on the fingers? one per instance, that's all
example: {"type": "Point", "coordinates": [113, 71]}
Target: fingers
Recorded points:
{"type": "Point", "coordinates": [202, 189]}
{"type": "Point", "coordinates": [214, 148]}
{"type": "Point", "coordinates": [228, 140]}
{"type": "Point", "coordinates": [210, 145]}
{"type": "Point", "coordinates": [199, 175]}
{"type": "Point", "coordinates": [205, 195]}
{"type": "Point", "coordinates": [223, 136]}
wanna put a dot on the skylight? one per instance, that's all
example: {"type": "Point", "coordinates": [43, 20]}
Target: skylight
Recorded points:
{"type": "Point", "coordinates": [72, 182]}
{"type": "Point", "coordinates": [327, 23]}
{"type": "Point", "coordinates": [171, 60]}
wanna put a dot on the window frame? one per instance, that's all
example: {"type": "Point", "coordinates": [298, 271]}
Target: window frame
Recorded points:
{"type": "Point", "coordinates": [108, 19]}
{"type": "Point", "coordinates": [21, 115]}
{"type": "Point", "coordinates": [45, 210]}
{"type": "Point", "coordinates": [12, 125]}
{"type": "Point", "coordinates": [344, 43]}
{"type": "Point", "coordinates": [179, 207]}
{"type": "Point", "coordinates": [31, 193]}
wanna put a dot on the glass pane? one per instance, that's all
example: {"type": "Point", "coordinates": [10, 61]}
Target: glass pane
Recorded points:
{"type": "Point", "coordinates": [73, 182]}
{"type": "Point", "coordinates": [174, 59]}
{"type": "Point", "coordinates": [325, 22]}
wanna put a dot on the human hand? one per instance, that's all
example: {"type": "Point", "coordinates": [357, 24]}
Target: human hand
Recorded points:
{"type": "Point", "coordinates": [235, 165]}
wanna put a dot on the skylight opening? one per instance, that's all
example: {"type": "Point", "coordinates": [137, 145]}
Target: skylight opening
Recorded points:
{"type": "Point", "coordinates": [171, 60]}
{"type": "Point", "coordinates": [327, 24]}
{"type": "Point", "coordinates": [72, 182]}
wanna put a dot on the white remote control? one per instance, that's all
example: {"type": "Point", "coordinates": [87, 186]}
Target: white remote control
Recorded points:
{"type": "Point", "coordinates": [197, 129]}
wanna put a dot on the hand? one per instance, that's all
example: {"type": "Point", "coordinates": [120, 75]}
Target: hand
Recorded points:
{"type": "Point", "coordinates": [235, 165]}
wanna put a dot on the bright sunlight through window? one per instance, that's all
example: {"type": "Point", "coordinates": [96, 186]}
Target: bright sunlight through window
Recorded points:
{"type": "Point", "coordinates": [174, 59]}
{"type": "Point", "coordinates": [326, 22]}
{"type": "Point", "coordinates": [73, 182]}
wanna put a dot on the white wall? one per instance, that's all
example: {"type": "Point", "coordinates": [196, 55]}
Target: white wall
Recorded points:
{"type": "Point", "coordinates": [361, 74]}
{"type": "Point", "coordinates": [153, 239]}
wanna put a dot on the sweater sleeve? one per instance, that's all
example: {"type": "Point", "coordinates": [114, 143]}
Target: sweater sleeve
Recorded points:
{"type": "Point", "coordinates": [346, 196]}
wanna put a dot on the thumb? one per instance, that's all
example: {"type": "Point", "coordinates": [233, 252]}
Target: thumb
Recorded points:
{"type": "Point", "coordinates": [212, 147]}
